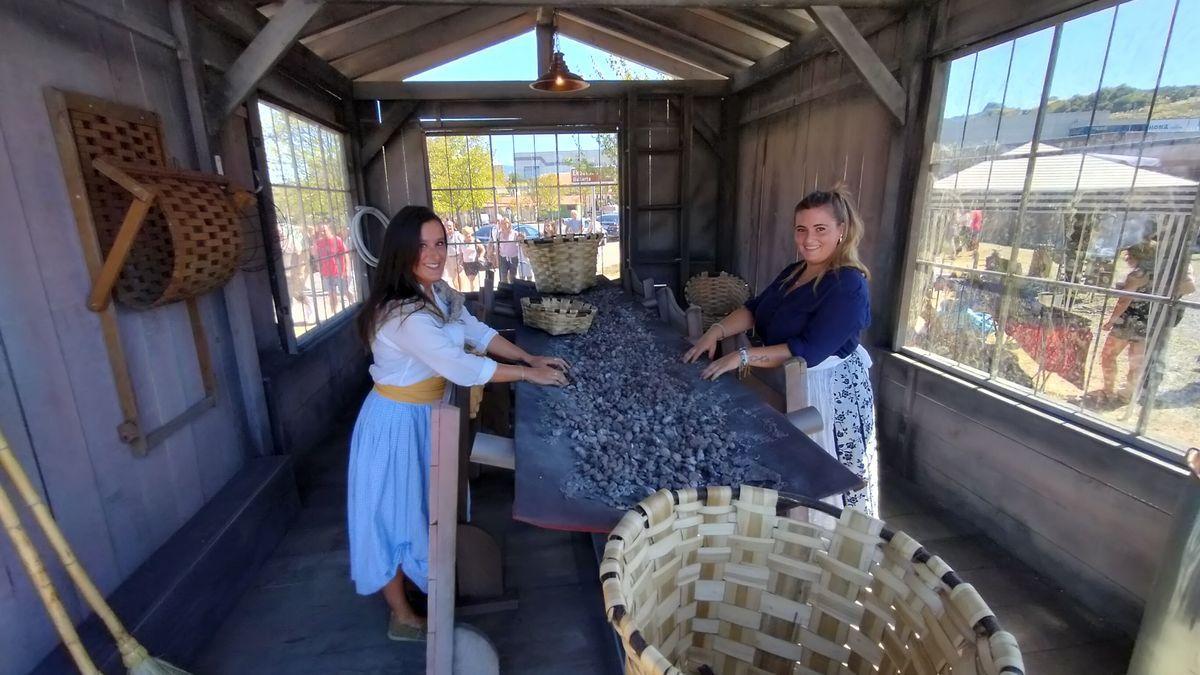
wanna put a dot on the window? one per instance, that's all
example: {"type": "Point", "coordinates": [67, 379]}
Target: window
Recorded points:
{"type": "Point", "coordinates": [1056, 233]}
{"type": "Point", "coordinates": [306, 167]}
{"type": "Point", "coordinates": [542, 184]}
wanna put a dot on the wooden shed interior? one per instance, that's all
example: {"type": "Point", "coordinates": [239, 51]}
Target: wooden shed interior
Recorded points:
{"type": "Point", "coordinates": [1003, 154]}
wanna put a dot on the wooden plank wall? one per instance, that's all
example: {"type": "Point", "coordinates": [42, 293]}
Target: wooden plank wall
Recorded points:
{"type": "Point", "coordinates": [61, 409]}
{"type": "Point", "coordinates": [1081, 509]}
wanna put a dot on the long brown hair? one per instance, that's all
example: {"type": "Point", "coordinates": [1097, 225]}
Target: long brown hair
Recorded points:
{"type": "Point", "coordinates": [845, 253]}
{"type": "Point", "coordinates": [394, 280]}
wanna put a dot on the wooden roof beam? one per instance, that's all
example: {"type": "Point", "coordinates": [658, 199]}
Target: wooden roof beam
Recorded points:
{"type": "Point", "coordinates": [783, 24]}
{"type": "Point", "coordinates": [619, 45]}
{"type": "Point", "coordinates": [264, 51]}
{"type": "Point", "coordinates": [243, 23]}
{"type": "Point", "coordinates": [506, 91]}
{"type": "Point", "coordinates": [378, 26]}
{"type": "Point", "coordinates": [712, 32]}
{"type": "Point", "coordinates": [855, 48]}
{"type": "Point", "coordinates": [431, 36]}
{"type": "Point", "coordinates": [428, 46]}
{"type": "Point", "coordinates": [671, 42]}
{"type": "Point", "coordinates": [798, 52]}
{"type": "Point", "coordinates": [742, 27]}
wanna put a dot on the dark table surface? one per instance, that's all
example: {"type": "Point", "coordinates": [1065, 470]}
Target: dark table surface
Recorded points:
{"type": "Point", "coordinates": [544, 462]}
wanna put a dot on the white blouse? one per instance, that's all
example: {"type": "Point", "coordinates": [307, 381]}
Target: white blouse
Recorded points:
{"type": "Point", "coordinates": [410, 349]}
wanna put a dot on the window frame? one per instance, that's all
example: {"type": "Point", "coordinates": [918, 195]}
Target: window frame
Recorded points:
{"type": "Point", "coordinates": [939, 71]}
{"type": "Point", "coordinates": [290, 343]}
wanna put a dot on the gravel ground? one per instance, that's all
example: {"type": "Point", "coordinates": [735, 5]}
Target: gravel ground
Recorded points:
{"type": "Point", "coordinates": [637, 420]}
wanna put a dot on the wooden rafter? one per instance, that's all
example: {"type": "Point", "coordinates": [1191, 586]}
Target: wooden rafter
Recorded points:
{"type": "Point", "coordinates": [799, 51]}
{"type": "Point", "coordinates": [439, 50]}
{"type": "Point", "coordinates": [855, 48]}
{"type": "Point", "coordinates": [263, 52]}
{"type": "Point", "coordinates": [619, 45]}
{"type": "Point", "coordinates": [244, 23]}
{"type": "Point", "coordinates": [675, 44]}
{"type": "Point", "coordinates": [545, 38]}
{"type": "Point", "coordinates": [665, 24]}
{"type": "Point", "coordinates": [330, 17]}
{"type": "Point", "coordinates": [381, 24]}
{"type": "Point", "coordinates": [434, 36]}
{"type": "Point", "coordinates": [741, 26]}
{"type": "Point", "coordinates": [713, 32]}
{"type": "Point", "coordinates": [781, 23]}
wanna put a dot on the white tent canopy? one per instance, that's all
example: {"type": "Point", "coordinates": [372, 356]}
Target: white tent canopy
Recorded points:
{"type": "Point", "coordinates": [1057, 171]}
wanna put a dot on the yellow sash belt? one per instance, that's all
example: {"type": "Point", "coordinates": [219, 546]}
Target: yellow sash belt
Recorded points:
{"type": "Point", "coordinates": [430, 390]}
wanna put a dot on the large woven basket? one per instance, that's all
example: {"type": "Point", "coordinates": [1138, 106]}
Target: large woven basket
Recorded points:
{"type": "Point", "coordinates": [557, 316]}
{"type": "Point", "coordinates": [565, 263]}
{"type": "Point", "coordinates": [717, 296]}
{"type": "Point", "coordinates": [720, 580]}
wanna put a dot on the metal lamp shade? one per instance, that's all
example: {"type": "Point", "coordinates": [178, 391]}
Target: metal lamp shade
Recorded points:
{"type": "Point", "coordinates": [559, 78]}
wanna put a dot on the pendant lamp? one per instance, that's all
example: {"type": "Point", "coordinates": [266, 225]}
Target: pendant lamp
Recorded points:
{"type": "Point", "coordinates": [559, 78]}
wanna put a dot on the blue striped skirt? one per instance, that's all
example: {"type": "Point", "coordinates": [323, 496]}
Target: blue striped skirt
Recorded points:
{"type": "Point", "coordinates": [388, 496]}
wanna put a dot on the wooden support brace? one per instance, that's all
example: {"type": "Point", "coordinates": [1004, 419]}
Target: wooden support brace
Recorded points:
{"type": "Point", "coordinates": [102, 285]}
{"type": "Point", "coordinates": [263, 52]}
{"type": "Point", "coordinates": [395, 118]}
{"type": "Point", "coordinates": [854, 47]}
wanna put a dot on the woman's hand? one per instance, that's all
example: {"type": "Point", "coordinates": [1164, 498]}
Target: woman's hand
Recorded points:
{"type": "Point", "coordinates": [707, 345]}
{"type": "Point", "coordinates": [548, 362]}
{"type": "Point", "coordinates": [546, 375]}
{"type": "Point", "coordinates": [721, 366]}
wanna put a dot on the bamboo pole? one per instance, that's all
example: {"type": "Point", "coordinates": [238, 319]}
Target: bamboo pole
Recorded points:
{"type": "Point", "coordinates": [132, 652]}
{"type": "Point", "coordinates": [42, 582]}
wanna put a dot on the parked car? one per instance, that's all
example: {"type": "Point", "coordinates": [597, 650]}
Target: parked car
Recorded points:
{"type": "Point", "coordinates": [486, 233]}
{"type": "Point", "coordinates": [611, 222]}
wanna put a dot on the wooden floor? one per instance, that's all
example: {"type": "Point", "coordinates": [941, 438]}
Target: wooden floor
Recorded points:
{"type": "Point", "coordinates": [303, 616]}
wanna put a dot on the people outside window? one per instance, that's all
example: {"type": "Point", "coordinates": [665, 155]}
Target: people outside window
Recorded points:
{"type": "Point", "coordinates": [815, 310]}
{"type": "Point", "coordinates": [294, 245]}
{"type": "Point", "coordinates": [472, 255]}
{"type": "Point", "coordinates": [1129, 326]}
{"type": "Point", "coordinates": [329, 252]}
{"type": "Point", "coordinates": [574, 224]}
{"type": "Point", "coordinates": [416, 328]}
{"type": "Point", "coordinates": [508, 249]}
{"type": "Point", "coordinates": [454, 250]}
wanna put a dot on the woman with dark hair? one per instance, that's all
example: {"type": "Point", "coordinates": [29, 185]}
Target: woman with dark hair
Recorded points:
{"type": "Point", "coordinates": [815, 310]}
{"type": "Point", "coordinates": [417, 329]}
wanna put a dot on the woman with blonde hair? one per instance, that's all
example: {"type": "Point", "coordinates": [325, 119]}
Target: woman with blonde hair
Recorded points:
{"type": "Point", "coordinates": [815, 310]}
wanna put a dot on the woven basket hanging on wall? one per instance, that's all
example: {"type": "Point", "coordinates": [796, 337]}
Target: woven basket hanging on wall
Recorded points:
{"type": "Point", "coordinates": [722, 580]}
{"type": "Point", "coordinates": [190, 242]}
{"type": "Point", "coordinates": [716, 296]}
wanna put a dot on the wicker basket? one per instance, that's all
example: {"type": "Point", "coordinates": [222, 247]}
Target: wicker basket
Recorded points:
{"type": "Point", "coordinates": [564, 264]}
{"type": "Point", "coordinates": [557, 316]}
{"type": "Point", "coordinates": [717, 296]}
{"type": "Point", "coordinates": [716, 580]}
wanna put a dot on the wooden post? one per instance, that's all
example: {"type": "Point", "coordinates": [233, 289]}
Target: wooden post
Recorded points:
{"type": "Point", "coordinates": [443, 521]}
{"type": "Point", "coordinates": [545, 39]}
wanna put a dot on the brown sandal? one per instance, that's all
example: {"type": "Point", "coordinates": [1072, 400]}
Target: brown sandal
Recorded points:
{"type": "Point", "coordinates": [404, 632]}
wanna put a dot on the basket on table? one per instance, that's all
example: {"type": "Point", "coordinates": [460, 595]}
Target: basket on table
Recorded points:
{"type": "Point", "coordinates": [557, 316]}
{"type": "Point", "coordinates": [717, 296]}
{"type": "Point", "coordinates": [564, 263]}
{"type": "Point", "coordinates": [721, 580]}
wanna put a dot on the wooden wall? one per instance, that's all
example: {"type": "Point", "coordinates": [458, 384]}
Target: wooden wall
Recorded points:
{"type": "Point", "coordinates": [58, 404]}
{"type": "Point", "coordinates": [1081, 509]}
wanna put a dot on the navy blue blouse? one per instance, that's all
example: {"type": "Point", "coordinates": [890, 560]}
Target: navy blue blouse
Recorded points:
{"type": "Point", "coordinates": [814, 325]}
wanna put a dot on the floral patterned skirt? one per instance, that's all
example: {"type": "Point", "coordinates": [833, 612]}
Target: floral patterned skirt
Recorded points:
{"type": "Point", "coordinates": [841, 391]}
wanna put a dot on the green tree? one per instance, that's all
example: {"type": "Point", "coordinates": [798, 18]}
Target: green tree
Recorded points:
{"type": "Point", "coordinates": [462, 176]}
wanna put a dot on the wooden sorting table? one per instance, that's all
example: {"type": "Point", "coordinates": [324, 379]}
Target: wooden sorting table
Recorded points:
{"type": "Point", "coordinates": [543, 462]}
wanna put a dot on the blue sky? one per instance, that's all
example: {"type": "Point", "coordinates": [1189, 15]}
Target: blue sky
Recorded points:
{"type": "Point", "coordinates": [516, 59]}
{"type": "Point", "coordinates": [1138, 35]}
